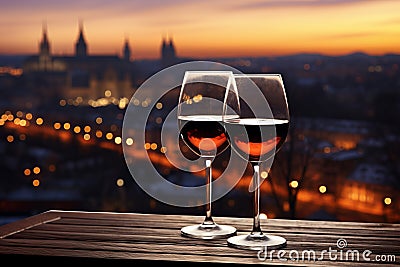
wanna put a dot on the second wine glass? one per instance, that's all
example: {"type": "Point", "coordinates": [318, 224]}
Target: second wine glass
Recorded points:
{"type": "Point", "coordinates": [200, 111]}
{"type": "Point", "coordinates": [256, 136]}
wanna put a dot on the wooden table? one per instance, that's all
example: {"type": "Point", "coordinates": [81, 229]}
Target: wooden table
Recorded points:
{"type": "Point", "coordinates": [131, 238]}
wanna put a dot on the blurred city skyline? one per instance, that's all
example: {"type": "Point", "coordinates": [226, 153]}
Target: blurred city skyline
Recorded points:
{"type": "Point", "coordinates": [68, 70]}
{"type": "Point", "coordinates": [205, 29]}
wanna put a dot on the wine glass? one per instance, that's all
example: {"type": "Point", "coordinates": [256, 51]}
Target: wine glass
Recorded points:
{"type": "Point", "coordinates": [256, 136]}
{"type": "Point", "coordinates": [200, 110]}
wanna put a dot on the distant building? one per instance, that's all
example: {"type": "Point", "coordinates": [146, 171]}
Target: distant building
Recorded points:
{"type": "Point", "coordinates": [127, 51]}
{"type": "Point", "coordinates": [81, 46]}
{"type": "Point", "coordinates": [168, 53]}
{"type": "Point", "coordinates": [82, 75]}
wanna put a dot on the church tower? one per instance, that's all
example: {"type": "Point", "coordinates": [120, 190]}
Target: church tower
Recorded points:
{"type": "Point", "coordinates": [44, 45]}
{"type": "Point", "coordinates": [168, 54]}
{"type": "Point", "coordinates": [127, 51]}
{"type": "Point", "coordinates": [81, 46]}
{"type": "Point", "coordinates": [171, 49]}
{"type": "Point", "coordinates": [163, 48]}
{"type": "Point", "coordinates": [44, 59]}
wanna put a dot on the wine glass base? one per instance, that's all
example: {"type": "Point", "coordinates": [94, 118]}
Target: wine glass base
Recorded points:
{"type": "Point", "coordinates": [247, 242]}
{"type": "Point", "coordinates": [209, 231]}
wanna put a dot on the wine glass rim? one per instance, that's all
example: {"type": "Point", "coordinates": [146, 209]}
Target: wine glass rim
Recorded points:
{"type": "Point", "coordinates": [256, 75]}
{"type": "Point", "coordinates": [209, 71]}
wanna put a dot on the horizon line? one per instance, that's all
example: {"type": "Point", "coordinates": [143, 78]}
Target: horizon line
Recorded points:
{"type": "Point", "coordinates": [219, 57]}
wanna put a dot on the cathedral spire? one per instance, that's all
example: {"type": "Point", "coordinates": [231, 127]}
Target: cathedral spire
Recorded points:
{"type": "Point", "coordinates": [127, 50]}
{"type": "Point", "coordinates": [168, 54]}
{"type": "Point", "coordinates": [44, 28]}
{"type": "Point", "coordinates": [44, 45]}
{"type": "Point", "coordinates": [80, 45]}
{"type": "Point", "coordinates": [164, 42]}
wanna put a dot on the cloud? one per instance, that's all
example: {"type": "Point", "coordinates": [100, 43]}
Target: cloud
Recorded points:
{"type": "Point", "coordinates": [93, 5]}
{"type": "Point", "coordinates": [300, 3]}
{"type": "Point", "coordinates": [353, 35]}
{"type": "Point", "coordinates": [63, 12]}
{"type": "Point", "coordinates": [391, 21]}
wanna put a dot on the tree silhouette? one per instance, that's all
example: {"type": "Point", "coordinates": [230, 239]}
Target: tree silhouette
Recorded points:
{"type": "Point", "coordinates": [290, 168]}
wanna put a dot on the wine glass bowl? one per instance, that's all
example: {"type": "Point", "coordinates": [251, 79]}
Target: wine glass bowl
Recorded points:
{"type": "Point", "coordinates": [256, 135]}
{"type": "Point", "coordinates": [203, 134]}
{"type": "Point", "coordinates": [202, 99]}
{"type": "Point", "coordinates": [257, 139]}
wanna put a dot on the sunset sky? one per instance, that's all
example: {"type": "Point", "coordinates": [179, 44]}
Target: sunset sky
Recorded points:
{"type": "Point", "coordinates": [202, 28]}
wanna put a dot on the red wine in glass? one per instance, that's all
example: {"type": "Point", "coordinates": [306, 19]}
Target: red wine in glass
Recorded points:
{"type": "Point", "coordinates": [257, 139]}
{"type": "Point", "coordinates": [204, 133]}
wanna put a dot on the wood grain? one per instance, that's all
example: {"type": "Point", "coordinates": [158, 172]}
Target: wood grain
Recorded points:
{"type": "Point", "coordinates": [126, 238]}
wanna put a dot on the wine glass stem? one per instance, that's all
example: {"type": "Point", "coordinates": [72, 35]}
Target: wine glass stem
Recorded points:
{"type": "Point", "coordinates": [208, 220]}
{"type": "Point", "coordinates": [256, 188]}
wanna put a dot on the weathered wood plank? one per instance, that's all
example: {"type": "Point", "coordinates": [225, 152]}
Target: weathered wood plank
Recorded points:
{"type": "Point", "coordinates": [156, 238]}
{"type": "Point", "coordinates": [267, 227]}
{"type": "Point", "coordinates": [294, 242]}
{"type": "Point", "coordinates": [155, 251]}
{"type": "Point", "coordinates": [139, 217]}
{"type": "Point", "coordinates": [26, 223]}
{"type": "Point", "coordinates": [149, 234]}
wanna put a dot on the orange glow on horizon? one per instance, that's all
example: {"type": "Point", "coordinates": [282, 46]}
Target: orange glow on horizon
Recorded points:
{"type": "Point", "coordinates": [230, 28]}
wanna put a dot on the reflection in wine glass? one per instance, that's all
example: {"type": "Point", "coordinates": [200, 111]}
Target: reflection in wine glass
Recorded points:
{"type": "Point", "coordinates": [256, 136]}
{"type": "Point", "coordinates": [200, 110]}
